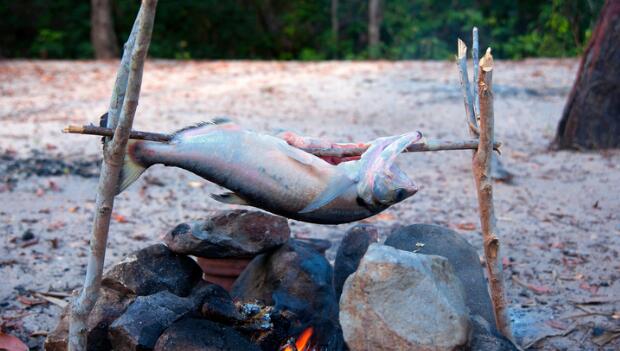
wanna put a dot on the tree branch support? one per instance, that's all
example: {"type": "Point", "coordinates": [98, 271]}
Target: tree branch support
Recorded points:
{"type": "Point", "coordinates": [479, 108]}
{"type": "Point", "coordinates": [125, 96]}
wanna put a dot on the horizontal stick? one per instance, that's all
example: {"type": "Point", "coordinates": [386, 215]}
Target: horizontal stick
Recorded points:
{"type": "Point", "coordinates": [108, 132]}
{"type": "Point", "coordinates": [422, 146]}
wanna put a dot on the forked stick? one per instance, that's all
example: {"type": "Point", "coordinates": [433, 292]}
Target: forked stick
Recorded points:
{"type": "Point", "coordinates": [481, 165]}
{"type": "Point", "coordinates": [125, 94]}
{"type": "Point", "coordinates": [468, 100]}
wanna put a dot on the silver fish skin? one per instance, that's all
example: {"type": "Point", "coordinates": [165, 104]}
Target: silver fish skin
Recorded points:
{"type": "Point", "coordinates": [265, 172]}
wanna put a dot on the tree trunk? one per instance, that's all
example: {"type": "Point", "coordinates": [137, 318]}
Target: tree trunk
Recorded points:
{"type": "Point", "coordinates": [591, 118]}
{"type": "Point", "coordinates": [335, 23]}
{"type": "Point", "coordinates": [374, 26]}
{"type": "Point", "coordinates": [102, 30]}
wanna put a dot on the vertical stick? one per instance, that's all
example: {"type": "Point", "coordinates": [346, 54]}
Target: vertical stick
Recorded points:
{"type": "Point", "coordinates": [112, 162]}
{"type": "Point", "coordinates": [120, 84]}
{"type": "Point", "coordinates": [474, 55]}
{"type": "Point", "coordinates": [484, 185]}
{"type": "Point", "coordinates": [461, 62]}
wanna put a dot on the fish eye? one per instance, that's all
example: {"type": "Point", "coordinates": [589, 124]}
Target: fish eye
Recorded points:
{"type": "Point", "coordinates": [360, 201]}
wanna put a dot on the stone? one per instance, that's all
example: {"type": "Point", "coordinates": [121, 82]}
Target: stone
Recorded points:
{"type": "Point", "coordinates": [153, 269]}
{"type": "Point", "coordinates": [236, 233]}
{"type": "Point", "coordinates": [351, 250]}
{"type": "Point", "coordinates": [146, 318]}
{"type": "Point", "coordinates": [429, 239]}
{"type": "Point", "coordinates": [191, 334]}
{"type": "Point", "coordinates": [484, 337]}
{"type": "Point", "coordinates": [320, 245]}
{"type": "Point", "coordinates": [218, 306]}
{"type": "Point", "coordinates": [398, 300]}
{"type": "Point", "coordinates": [109, 306]}
{"type": "Point", "coordinates": [295, 279]}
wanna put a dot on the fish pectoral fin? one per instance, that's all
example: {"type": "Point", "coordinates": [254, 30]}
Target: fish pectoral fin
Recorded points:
{"type": "Point", "coordinates": [335, 188]}
{"type": "Point", "coordinates": [230, 198]}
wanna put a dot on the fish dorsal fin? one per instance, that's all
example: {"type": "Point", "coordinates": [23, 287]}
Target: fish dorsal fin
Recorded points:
{"type": "Point", "coordinates": [215, 121]}
{"type": "Point", "coordinates": [336, 187]}
{"type": "Point", "coordinates": [230, 198]}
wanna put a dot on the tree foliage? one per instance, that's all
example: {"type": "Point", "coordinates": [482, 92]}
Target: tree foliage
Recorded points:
{"type": "Point", "coordinates": [301, 29]}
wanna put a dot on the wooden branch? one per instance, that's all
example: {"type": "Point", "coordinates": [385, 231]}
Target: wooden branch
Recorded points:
{"type": "Point", "coordinates": [120, 84]}
{"type": "Point", "coordinates": [108, 132]}
{"type": "Point", "coordinates": [461, 61]}
{"type": "Point", "coordinates": [484, 184]}
{"type": "Point", "coordinates": [474, 55]}
{"type": "Point", "coordinates": [423, 145]}
{"type": "Point", "coordinates": [112, 162]}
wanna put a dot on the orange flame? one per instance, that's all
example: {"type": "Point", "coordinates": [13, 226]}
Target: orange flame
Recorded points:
{"type": "Point", "coordinates": [303, 341]}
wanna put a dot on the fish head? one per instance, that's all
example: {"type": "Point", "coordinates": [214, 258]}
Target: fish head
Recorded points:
{"type": "Point", "coordinates": [381, 182]}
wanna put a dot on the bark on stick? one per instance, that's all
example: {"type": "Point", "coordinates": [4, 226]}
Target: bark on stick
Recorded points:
{"type": "Point", "coordinates": [475, 47]}
{"type": "Point", "coordinates": [468, 99]}
{"type": "Point", "coordinates": [338, 150]}
{"type": "Point", "coordinates": [113, 156]}
{"type": "Point", "coordinates": [484, 185]}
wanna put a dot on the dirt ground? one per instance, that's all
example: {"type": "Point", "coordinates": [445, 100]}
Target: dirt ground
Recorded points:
{"type": "Point", "coordinates": [559, 221]}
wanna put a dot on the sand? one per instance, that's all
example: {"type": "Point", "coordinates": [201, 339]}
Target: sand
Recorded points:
{"type": "Point", "coordinates": [559, 222]}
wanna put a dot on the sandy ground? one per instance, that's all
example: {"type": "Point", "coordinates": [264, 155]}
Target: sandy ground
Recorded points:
{"type": "Point", "coordinates": [559, 222]}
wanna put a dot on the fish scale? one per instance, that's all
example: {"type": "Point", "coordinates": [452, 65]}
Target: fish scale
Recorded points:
{"type": "Point", "coordinates": [264, 171]}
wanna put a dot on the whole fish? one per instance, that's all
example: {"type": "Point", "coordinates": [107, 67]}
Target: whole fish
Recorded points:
{"type": "Point", "coordinates": [264, 171]}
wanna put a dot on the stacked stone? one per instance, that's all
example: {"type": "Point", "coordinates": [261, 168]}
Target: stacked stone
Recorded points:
{"type": "Point", "coordinates": [226, 243]}
{"type": "Point", "coordinates": [160, 298]}
{"type": "Point", "coordinates": [423, 290]}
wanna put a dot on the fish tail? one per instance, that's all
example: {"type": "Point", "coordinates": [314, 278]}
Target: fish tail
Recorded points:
{"type": "Point", "coordinates": [132, 168]}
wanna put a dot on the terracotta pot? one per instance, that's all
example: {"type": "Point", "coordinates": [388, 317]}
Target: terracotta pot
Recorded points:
{"type": "Point", "coordinates": [222, 271]}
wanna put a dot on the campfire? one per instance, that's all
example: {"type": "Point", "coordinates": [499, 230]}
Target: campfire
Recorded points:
{"type": "Point", "coordinates": [284, 294]}
{"type": "Point", "coordinates": [301, 344]}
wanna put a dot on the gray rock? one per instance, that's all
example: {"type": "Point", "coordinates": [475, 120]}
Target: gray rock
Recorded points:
{"type": "Point", "coordinates": [109, 306]}
{"type": "Point", "coordinates": [462, 256]}
{"type": "Point", "coordinates": [145, 319]}
{"type": "Point", "coordinates": [295, 278]}
{"type": "Point", "coordinates": [237, 233]}
{"type": "Point", "coordinates": [484, 338]}
{"type": "Point", "coordinates": [192, 334]}
{"type": "Point", "coordinates": [152, 269]}
{"type": "Point", "coordinates": [398, 300]}
{"type": "Point", "coordinates": [351, 250]}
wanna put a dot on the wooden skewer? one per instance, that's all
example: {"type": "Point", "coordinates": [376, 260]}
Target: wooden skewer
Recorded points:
{"type": "Point", "coordinates": [345, 151]}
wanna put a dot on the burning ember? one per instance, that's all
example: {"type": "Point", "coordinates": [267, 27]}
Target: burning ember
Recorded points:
{"type": "Point", "coordinates": [301, 344]}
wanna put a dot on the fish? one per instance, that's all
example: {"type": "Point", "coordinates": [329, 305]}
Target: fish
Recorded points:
{"type": "Point", "coordinates": [265, 172]}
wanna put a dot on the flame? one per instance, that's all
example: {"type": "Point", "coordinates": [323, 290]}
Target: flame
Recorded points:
{"type": "Point", "coordinates": [302, 343]}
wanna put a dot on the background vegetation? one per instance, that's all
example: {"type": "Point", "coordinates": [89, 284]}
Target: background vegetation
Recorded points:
{"type": "Point", "coordinates": [302, 29]}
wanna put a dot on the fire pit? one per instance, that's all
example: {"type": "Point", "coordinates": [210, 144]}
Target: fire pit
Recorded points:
{"type": "Point", "coordinates": [250, 287]}
{"type": "Point", "coordinates": [284, 296]}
